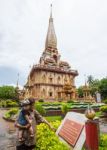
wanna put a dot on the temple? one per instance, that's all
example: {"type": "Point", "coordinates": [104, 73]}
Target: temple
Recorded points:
{"type": "Point", "coordinates": [49, 78]}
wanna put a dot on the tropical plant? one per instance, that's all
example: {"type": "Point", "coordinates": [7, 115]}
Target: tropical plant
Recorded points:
{"type": "Point", "coordinates": [94, 86]}
{"type": "Point", "coordinates": [64, 108]}
{"type": "Point", "coordinates": [40, 109]}
{"type": "Point", "coordinates": [90, 79]}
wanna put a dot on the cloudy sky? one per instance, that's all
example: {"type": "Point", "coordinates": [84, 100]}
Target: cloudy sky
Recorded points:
{"type": "Point", "coordinates": [81, 29]}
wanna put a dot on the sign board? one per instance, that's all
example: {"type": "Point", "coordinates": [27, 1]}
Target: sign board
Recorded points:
{"type": "Point", "coordinates": [72, 130]}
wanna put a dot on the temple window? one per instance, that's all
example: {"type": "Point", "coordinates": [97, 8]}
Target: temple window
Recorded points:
{"type": "Point", "coordinates": [50, 94]}
{"type": "Point", "coordinates": [50, 79]}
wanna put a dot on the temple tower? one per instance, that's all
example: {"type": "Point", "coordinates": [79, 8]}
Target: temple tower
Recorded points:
{"type": "Point", "coordinates": [47, 78]}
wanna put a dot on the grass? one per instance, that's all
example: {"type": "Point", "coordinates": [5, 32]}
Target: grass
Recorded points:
{"type": "Point", "coordinates": [98, 114]}
{"type": "Point", "coordinates": [53, 118]}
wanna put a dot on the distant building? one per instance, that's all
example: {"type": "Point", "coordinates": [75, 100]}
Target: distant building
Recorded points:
{"type": "Point", "coordinates": [48, 79]}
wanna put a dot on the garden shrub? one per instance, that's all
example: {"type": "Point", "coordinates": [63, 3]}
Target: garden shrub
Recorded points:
{"type": "Point", "coordinates": [7, 115]}
{"type": "Point", "coordinates": [41, 100]}
{"type": "Point", "coordinates": [70, 101]}
{"type": "Point", "coordinates": [103, 142]}
{"type": "Point", "coordinates": [64, 108]}
{"type": "Point", "coordinates": [40, 109]}
{"type": "Point", "coordinates": [47, 139]}
{"type": "Point", "coordinates": [10, 103]}
{"type": "Point", "coordinates": [103, 108]}
{"type": "Point", "coordinates": [11, 112]}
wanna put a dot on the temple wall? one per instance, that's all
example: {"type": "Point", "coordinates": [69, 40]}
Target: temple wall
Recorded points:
{"type": "Point", "coordinates": [50, 83]}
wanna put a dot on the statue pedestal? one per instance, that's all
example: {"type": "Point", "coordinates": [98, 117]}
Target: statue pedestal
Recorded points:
{"type": "Point", "coordinates": [92, 134]}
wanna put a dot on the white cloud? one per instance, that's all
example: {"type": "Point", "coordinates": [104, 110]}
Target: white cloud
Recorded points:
{"type": "Point", "coordinates": [81, 28]}
{"type": "Point", "coordinates": [14, 85]}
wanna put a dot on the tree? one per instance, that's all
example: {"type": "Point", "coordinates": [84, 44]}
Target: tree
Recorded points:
{"type": "Point", "coordinates": [7, 92]}
{"type": "Point", "coordinates": [90, 79]}
{"type": "Point", "coordinates": [94, 86]}
{"type": "Point", "coordinates": [103, 88]}
{"type": "Point", "coordinates": [80, 91]}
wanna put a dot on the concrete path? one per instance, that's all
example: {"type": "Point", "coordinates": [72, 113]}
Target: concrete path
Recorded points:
{"type": "Point", "coordinates": [7, 131]}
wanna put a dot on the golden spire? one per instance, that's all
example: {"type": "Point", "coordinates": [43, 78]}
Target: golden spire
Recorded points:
{"type": "Point", "coordinates": [51, 40]}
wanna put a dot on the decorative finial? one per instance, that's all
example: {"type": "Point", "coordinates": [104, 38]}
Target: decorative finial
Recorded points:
{"type": "Point", "coordinates": [90, 113]}
{"type": "Point", "coordinates": [51, 11]}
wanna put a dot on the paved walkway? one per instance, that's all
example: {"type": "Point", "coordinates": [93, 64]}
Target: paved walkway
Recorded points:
{"type": "Point", "coordinates": [103, 125]}
{"type": "Point", "coordinates": [6, 133]}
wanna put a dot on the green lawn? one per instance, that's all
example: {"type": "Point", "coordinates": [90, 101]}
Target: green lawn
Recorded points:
{"type": "Point", "coordinates": [53, 118]}
{"type": "Point", "coordinates": [98, 114]}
